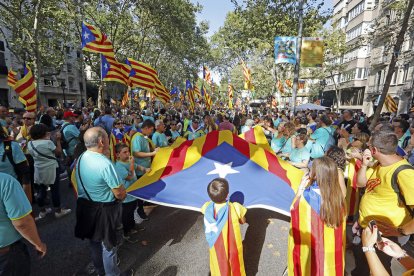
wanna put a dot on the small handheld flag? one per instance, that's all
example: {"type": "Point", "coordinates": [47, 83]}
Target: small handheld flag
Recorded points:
{"type": "Point", "coordinates": [11, 78]}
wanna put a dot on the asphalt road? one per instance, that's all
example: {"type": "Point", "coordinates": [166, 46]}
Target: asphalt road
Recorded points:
{"type": "Point", "coordinates": [172, 244]}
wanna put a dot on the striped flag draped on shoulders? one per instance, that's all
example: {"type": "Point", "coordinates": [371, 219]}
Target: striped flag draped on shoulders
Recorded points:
{"type": "Point", "coordinates": [313, 247]}
{"type": "Point", "coordinates": [93, 40]}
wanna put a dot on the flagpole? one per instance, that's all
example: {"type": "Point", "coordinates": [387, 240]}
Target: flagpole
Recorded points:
{"type": "Point", "coordinates": [298, 52]}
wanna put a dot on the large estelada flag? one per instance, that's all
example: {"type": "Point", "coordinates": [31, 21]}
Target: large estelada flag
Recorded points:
{"type": "Point", "coordinates": [93, 40]}
{"type": "Point", "coordinates": [180, 174]}
{"type": "Point", "coordinates": [256, 136]}
{"type": "Point", "coordinates": [313, 247]}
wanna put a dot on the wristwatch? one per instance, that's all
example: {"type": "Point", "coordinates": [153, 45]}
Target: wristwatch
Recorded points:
{"type": "Point", "coordinates": [401, 231]}
{"type": "Point", "coordinates": [368, 248]}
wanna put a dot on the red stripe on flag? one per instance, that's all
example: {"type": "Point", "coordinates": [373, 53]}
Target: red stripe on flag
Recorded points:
{"type": "Point", "coordinates": [241, 145]}
{"type": "Point", "coordinates": [24, 85]}
{"type": "Point", "coordinates": [297, 270]}
{"type": "Point", "coordinates": [354, 188]}
{"type": "Point", "coordinates": [177, 159]}
{"type": "Point", "coordinates": [210, 142]}
{"type": "Point", "coordinates": [221, 255]}
{"type": "Point", "coordinates": [275, 167]}
{"type": "Point", "coordinates": [99, 49]}
{"type": "Point", "coordinates": [232, 247]}
{"type": "Point", "coordinates": [317, 244]}
{"type": "Point", "coordinates": [339, 269]}
{"type": "Point", "coordinates": [249, 136]}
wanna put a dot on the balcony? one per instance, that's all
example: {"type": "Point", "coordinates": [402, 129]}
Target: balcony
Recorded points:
{"type": "Point", "coordinates": [379, 60]}
{"type": "Point", "coordinates": [375, 89]}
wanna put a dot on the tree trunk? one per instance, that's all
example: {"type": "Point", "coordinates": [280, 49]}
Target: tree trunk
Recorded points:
{"type": "Point", "coordinates": [391, 66]}
{"type": "Point", "coordinates": [100, 96]}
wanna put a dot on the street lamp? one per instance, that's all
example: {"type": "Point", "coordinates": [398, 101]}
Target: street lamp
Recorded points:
{"type": "Point", "coordinates": [63, 86]}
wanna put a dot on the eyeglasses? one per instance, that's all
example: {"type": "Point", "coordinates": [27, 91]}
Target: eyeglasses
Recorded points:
{"type": "Point", "coordinates": [27, 118]}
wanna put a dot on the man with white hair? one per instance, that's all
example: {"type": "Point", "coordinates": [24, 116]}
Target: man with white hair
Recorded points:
{"type": "Point", "coordinates": [99, 209]}
{"type": "Point", "coordinates": [158, 138]}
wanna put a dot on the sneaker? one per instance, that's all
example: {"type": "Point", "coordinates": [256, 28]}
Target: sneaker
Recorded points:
{"type": "Point", "coordinates": [143, 216]}
{"type": "Point", "coordinates": [63, 212]}
{"type": "Point", "coordinates": [43, 214]}
{"type": "Point", "coordinates": [129, 239]}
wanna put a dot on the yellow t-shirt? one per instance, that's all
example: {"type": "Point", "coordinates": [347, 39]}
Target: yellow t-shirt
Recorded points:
{"type": "Point", "coordinates": [380, 201]}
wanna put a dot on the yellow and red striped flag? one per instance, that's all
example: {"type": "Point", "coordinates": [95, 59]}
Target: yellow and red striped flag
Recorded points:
{"type": "Point", "coordinates": [112, 70]}
{"type": "Point", "coordinates": [93, 40]}
{"type": "Point", "coordinates": [289, 83]}
{"type": "Point", "coordinates": [125, 99]}
{"type": "Point", "coordinates": [390, 104]}
{"type": "Point", "coordinates": [191, 99]}
{"type": "Point", "coordinates": [11, 78]}
{"type": "Point", "coordinates": [313, 247]}
{"type": "Point", "coordinates": [206, 75]}
{"type": "Point", "coordinates": [280, 87]}
{"type": "Point", "coordinates": [26, 89]}
{"type": "Point", "coordinates": [208, 100]}
{"type": "Point", "coordinates": [230, 91]}
{"type": "Point", "coordinates": [352, 190]}
{"type": "Point", "coordinates": [197, 92]}
{"type": "Point", "coordinates": [247, 77]}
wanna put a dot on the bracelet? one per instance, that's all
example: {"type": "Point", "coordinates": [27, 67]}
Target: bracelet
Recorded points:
{"type": "Point", "coordinates": [368, 249]}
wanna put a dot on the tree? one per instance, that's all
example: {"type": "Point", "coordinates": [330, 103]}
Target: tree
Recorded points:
{"type": "Point", "coordinates": [36, 32]}
{"type": "Point", "coordinates": [391, 67]}
{"type": "Point", "coordinates": [249, 32]}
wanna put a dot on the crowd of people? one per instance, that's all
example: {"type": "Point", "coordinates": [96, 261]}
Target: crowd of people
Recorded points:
{"type": "Point", "coordinates": [361, 176]}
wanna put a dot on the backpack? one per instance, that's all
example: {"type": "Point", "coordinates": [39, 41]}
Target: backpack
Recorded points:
{"type": "Point", "coordinates": [8, 152]}
{"type": "Point", "coordinates": [396, 188]}
{"type": "Point", "coordinates": [63, 142]}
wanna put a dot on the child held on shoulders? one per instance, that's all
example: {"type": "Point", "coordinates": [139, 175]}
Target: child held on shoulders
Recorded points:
{"type": "Point", "coordinates": [222, 220]}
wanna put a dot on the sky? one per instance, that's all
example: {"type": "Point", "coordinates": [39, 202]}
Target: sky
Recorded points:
{"type": "Point", "coordinates": [214, 11]}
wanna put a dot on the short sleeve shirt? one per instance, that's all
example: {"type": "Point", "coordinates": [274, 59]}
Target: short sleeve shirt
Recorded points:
{"type": "Point", "coordinates": [159, 139]}
{"type": "Point", "coordinates": [71, 133]}
{"type": "Point", "coordinates": [18, 157]}
{"type": "Point", "coordinates": [299, 155]}
{"type": "Point", "coordinates": [122, 169]}
{"type": "Point", "coordinates": [98, 176]}
{"type": "Point", "coordinates": [140, 144]}
{"type": "Point", "coordinates": [380, 201]}
{"type": "Point", "coordinates": [14, 205]}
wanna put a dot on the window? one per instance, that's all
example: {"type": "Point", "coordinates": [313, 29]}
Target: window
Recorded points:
{"type": "Point", "coordinates": [2, 46]}
{"type": "Point", "coordinates": [69, 66]}
{"type": "Point", "coordinates": [71, 83]}
{"type": "Point", "coordinates": [359, 73]}
{"type": "Point", "coordinates": [48, 82]}
{"type": "Point", "coordinates": [406, 68]}
{"type": "Point", "coordinates": [355, 11]}
{"type": "Point", "coordinates": [354, 32]}
{"type": "Point", "coordinates": [2, 59]}
{"type": "Point", "coordinates": [394, 77]}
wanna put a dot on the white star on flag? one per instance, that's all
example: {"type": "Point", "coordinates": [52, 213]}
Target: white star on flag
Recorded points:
{"type": "Point", "coordinates": [223, 169]}
{"type": "Point", "coordinates": [106, 66]}
{"type": "Point", "coordinates": [85, 35]}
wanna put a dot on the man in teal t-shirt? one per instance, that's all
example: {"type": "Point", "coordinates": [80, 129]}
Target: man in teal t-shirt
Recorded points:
{"type": "Point", "coordinates": [15, 219]}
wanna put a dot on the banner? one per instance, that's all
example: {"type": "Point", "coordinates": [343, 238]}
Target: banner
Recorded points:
{"type": "Point", "coordinates": [285, 49]}
{"type": "Point", "coordinates": [311, 52]}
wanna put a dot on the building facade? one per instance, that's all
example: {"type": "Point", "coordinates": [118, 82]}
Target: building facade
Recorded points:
{"type": "Point", "coordinates": [355, 18]}
{"type": "Point", "coordinates": [387, 25]}
{"type": "Point", "coordinates": [369, 26]}
{"type": "Point", "coordinates": [69, 86]}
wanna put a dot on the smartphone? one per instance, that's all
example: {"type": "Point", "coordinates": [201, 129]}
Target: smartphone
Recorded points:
{"type": "Point", "coordinates": [371, 225]}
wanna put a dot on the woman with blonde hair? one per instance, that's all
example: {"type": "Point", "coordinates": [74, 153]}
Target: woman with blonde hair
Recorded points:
{"type": "Point", "coordinates": [209, 124]}
{"type": "Point", "coordinates": [317, 240]}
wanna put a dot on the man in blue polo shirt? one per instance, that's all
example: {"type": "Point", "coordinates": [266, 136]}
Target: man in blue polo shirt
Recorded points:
{"type": "Point", "coordinates": [97, 181]}
{"type": "Point", "coordinates": [16, 223]}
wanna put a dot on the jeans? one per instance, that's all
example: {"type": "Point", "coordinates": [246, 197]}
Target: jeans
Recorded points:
{"type": "Point", "coordinates": [105, 261]}
{"type": "Point", "coordinates": [16, 261]}
{"type": "Point", "coordinates": [54, 190]}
